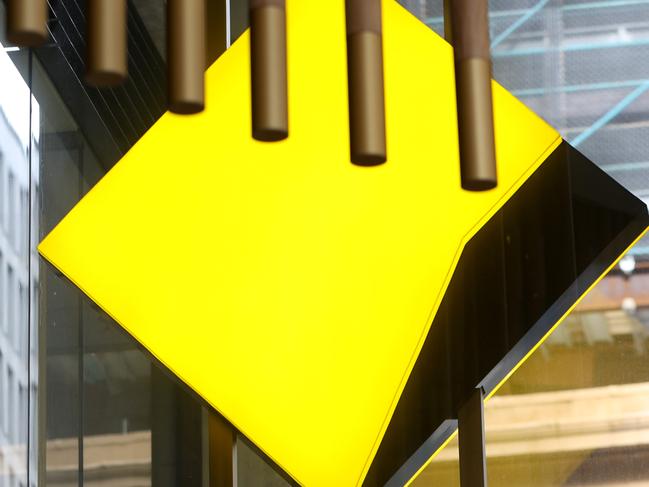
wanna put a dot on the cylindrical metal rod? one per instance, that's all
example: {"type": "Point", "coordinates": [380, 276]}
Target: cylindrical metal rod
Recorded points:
{"type": "Point", "coordinates": [186, 45]}
{"type": "Point", "coordinates": [268, 70]}
{"type": "Point", "coordinates": [106, 37]}
{"type": "Point", "coordinates": [27, 22]}
{"type": "Point", "coordinates": [365, 80]}
{"type": "Point", "coordinates": [470, 32]}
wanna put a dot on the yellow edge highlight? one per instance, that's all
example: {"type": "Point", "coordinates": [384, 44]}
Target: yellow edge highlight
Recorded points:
{"type": "Point", "coordinates": [456, 258]}
{"type": "Point", "coordinates": [428, 462]}
{"type": "Point", "coordinates": [570, 310]}
{"type": "Point", "coordinates": [533, 349]}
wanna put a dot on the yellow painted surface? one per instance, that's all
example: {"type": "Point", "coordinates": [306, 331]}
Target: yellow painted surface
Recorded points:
{"type": "Point", "coordinates": [289, 288]}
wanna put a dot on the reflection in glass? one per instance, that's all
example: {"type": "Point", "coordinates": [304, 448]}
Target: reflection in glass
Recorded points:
{"type": "Point", "coordinates": [16, 259]}
{"type": "Point", "coordinates": [253, 470]}
{"type": "Point", "coordinates": [575, 413]}
{"type": "Point", "coordinates": [443, 470]}
{"type": "Point", "coordinates": [96, 408]}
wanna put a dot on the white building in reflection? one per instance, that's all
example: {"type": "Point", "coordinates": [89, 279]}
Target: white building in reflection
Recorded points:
{"type": "Point", "coordinates": [17, 382]}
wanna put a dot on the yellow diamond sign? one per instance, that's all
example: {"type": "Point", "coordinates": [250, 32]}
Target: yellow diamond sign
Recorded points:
{"type": "Point", "coordinates": [287, 287]}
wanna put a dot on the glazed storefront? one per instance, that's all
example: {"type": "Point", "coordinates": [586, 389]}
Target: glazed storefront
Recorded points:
{"type": "Point", "coordinates": [81, 403]}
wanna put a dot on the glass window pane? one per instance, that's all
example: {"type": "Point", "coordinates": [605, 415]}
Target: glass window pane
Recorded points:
{"type": "Point", "coordinates": [15, 182]}
{"type": "Point", "coordinates": [573, 413]}
{"type": "Point", "coordinates": [443, 469]}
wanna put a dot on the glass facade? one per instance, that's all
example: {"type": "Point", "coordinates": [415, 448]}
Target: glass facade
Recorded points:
{"type": "Point", "coordinates": [82, 404]}
{"type": "Point", "coordinates": [97, 383]}
{"type": "Point", "coordinates": [574, 414]}
{"type": "Point", "coordinates": [19, 275]}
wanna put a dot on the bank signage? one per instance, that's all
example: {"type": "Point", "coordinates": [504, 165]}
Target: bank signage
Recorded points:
{"type": "Point", "coordinates": [312, 302]}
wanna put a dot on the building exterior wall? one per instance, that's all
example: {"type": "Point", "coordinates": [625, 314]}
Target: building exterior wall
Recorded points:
{"type": "Point", "coordinates": [18, 284]}
{"type": "Point", "coordinates": [80, 403]}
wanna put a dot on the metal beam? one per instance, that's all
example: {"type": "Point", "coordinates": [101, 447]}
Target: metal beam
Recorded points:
{"type": "Point", "coordinates": [519, 23]}
{"type": "Point", "coordinates": [222, 457]}
{"type": "Point", "coordinates": [610, 114]}
{"type": "Point", "coordinates": [605, 85]}
{"type": "Point", "coordinates": [587, 46]}
{"type": "Point", "coordinates": [473, 464]}
{"type": "Point", "coordinates": [499, 14]}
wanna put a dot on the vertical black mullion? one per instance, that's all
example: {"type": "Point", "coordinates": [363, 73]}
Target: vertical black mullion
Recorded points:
{"type": "Point", "coordinates": [80, 392]}
{"type": "Point", "coordinates": [29, 274]}
{"type": "Point", "coordinates": [222, 462]}
{"type": "Point", "coordinates": [80, 335]}
{"type": "Point", "coordinates": [473, 461]}
{"type": "Point", "coordinates": [41, 326]}
{"type": "Point", "coordinates": [164, 421]}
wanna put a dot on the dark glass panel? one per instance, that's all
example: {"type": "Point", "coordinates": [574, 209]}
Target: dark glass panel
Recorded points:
{"type": "Point", "coordinates": [515, 279]}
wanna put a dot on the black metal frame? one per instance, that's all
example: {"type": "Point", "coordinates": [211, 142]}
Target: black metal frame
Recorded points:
{"type": "Point", "coordinates": [472, 447]}
{"type": "Point", "coordinates": [523, 269]}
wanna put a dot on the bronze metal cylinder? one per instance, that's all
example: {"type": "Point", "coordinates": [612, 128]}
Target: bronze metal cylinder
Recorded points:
{"type": "Point", "coordinates": [268, 70]}
{"type": "Point", "coordinates": [186, 55]}
{"type": "Point", "coordinates": [367, 132]}
{"type": "Point", "coordinates": [470, 32]}
{"type": "Point", "coordinates": [27, 22]}
{"type": "Point", "coordinates": [106, 37]}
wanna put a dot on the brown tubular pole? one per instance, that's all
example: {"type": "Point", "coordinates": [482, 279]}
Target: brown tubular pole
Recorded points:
{"type": "Point", "coordinates": [106, 56]}
{"type": "Point", "coordinates": [186, 55]}
{"type": "Point", "coordinates": [365, 80]}
{"type": "Point", "coordinates": [27, 22]}
{"type": "Point", "coordinates": [268, 70]}
{"type": "Point", "coordinates": [470, 32]}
